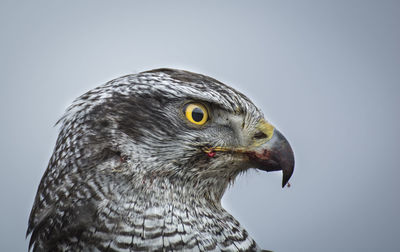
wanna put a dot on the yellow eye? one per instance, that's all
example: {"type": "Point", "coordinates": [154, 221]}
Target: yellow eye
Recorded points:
{"type": "Point", "coordinates": [196, 113]}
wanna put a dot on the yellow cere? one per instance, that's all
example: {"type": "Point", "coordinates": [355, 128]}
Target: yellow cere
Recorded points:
{"type": "Point", "coordinates": [266, 128]}
{"type": "Point", "coordinates": [196, 113]}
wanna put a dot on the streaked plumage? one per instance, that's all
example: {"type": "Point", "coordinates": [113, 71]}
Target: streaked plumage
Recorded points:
{"type": "Point", "coordinates": [130, 173]}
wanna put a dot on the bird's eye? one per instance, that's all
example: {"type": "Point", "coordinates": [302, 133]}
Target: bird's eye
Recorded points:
{"type": "Point", "coordinates": [196, 113]}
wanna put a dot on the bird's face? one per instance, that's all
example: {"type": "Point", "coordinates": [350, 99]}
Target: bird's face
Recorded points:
{"type": "Point", "coordinates": [180, 125]}
{"type": "Point", "coordinates": [215, 141]}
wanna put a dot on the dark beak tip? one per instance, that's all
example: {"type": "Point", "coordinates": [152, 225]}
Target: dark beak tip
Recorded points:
{"type": "Point", "coordinates": [287, 169]}
{"type": "Point", "coordinates": [285, 179]}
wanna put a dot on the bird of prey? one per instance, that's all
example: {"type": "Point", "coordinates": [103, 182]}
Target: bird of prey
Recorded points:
{"type": "Point", "coordinates": [141, 164]}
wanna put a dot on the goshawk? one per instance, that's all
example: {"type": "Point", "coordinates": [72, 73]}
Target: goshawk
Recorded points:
{"type": "Point", "coordinates": [141, 164]}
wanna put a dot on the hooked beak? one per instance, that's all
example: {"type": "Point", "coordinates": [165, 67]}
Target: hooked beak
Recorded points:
{"type": "Point", "coordinates": [269, 151]}
{"type": "Point", "coordinates": [273, 153]}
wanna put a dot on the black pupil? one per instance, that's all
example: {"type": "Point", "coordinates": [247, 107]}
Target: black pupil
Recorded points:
{"type": "Point", "coordinates": [197, 114]}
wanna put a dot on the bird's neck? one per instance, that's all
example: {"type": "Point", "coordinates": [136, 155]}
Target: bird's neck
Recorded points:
{"type": "Point", "coordinates": [166, 212]}
{"type": "Point", "coordinates": [163, 211]}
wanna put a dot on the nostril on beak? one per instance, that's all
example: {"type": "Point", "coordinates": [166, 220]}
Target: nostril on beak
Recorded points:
{"type": "Point", "coordinates": [259, 135]}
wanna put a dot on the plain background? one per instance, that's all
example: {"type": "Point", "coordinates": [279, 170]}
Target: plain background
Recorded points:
{"type": "Point", "coordinates": [326, 73]}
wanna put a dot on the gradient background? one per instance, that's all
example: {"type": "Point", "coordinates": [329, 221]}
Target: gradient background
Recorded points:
{"type": "Point", "coordinates": [326, 73]}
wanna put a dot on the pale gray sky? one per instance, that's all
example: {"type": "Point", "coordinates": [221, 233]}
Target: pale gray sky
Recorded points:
{"type": "Point", "coordinates": [326, 73]}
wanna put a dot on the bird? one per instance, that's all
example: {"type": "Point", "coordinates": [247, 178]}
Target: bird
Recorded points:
{"type": "Point", "coordinates": [141, 164]}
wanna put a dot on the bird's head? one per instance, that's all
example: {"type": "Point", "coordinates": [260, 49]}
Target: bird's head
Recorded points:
{"type": "Point", "coordinates": [173, 125]}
